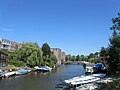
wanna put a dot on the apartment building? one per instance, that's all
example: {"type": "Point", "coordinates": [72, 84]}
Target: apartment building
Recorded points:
{"type": "Point", "coordinates": [63, 57]}
{"type": "Point", "coordinates": [59, 55]}
{"type": "Point", "coordinates": [9, 45]}
{"type": "Point", "coordinates": [3, 58]}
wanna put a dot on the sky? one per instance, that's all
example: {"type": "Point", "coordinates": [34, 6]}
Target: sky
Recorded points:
{"type": "Point", "coordinates": [75, 26]}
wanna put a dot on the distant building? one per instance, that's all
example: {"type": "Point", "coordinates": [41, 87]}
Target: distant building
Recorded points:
{"type": "Point", "coordinates": [9, 45]}
{"type": "Point", "coordinates": [3, 58]}
{"type": "Point", "coordinates": [68, 57]}
{"type": "Point", "coordinates": [59, 55]}
{"type": "Point", "coordinates": [63, 57]}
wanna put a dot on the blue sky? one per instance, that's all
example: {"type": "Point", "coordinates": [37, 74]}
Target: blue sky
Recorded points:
{"type": "Point", "coordinates": [74, 26]}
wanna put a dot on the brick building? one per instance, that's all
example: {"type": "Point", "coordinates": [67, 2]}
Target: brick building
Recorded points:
{"type": "Point", "coordinates": [59, 55]}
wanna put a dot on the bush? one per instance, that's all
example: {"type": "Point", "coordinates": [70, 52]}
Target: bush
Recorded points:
{"type": "Point", "coordinates": [94, 60]}
{"type": "Point", "coordinates": [17, 63]}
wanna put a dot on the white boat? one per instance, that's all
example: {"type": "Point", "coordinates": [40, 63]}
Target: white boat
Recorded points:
{"type": "Point", "coordinates": [90, 86]}
{"type": "Point", "coordinates": [100, 75]}
{"type": "Point", "coordinates": [77, 81]}
{"type": "Point", "coordinates": [8, 74]}
{"type": "Point", "coordinates": [49, 68]}
{"type": "Point", "coordinates": [43, 68]}
{"type": "Point", "coordinates": [89, 69]}
{"type": "Point", "coordinates": [74, 79]}
{"type": "Point", "coordinates": [105, 80]}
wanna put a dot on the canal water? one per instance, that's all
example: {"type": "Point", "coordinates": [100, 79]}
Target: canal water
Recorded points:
{"type": "Point", "coordinates": [42, 81]}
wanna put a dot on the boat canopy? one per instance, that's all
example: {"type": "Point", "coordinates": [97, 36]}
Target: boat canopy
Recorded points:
{"type": "Point", "coordinates": [99, 65]}
{"type": "Point", "coordinates": [22, 70]}
{"type": "Point", "coordinates": [43, 68]}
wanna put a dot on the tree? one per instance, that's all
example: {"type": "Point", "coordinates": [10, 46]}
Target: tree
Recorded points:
{"type": "Point", "coordinates": [13, 60]}
{"type": "Point", "coordinates": [46, 50]}
{"type": "Point", "coordinates": [29, 54]}
{"type": "Point", "coordinates": [73, 58]}
{"type": "Point", "coordinates": [116, 23]}
{"type": "Point", "coordinates": [53, 60]}
{"type": "Point", "coordinates": [96, 54]}
{"type": "Point", "coordinates": [91, 55]}
{"type": "Point", "coordinates": [103, 52]}
{"type": "Point", "coordinates": [82, 57]}
{"type": "Point", "coordinates": [114, 53]}
{"type": "Point", "coordinates": [46, 53]}
{"type": "Point", "coordinates": [114, 47]}
{"type": "Point", "coordinates": [77, 58]}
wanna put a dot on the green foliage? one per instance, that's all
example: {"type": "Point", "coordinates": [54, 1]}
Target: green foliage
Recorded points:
{"type": "Point", "coordinates": [29, 54]}
{"type": "Point", "coordinates": [91, 55]}
{"type": "Point", "coordinates": [46, 49]}
{"type": "Point", "coordinates": [116, 23]}
{"type": "Point", "coordinates": [114, 53]}
{"type": "Point", "coordinates": [104, 52]}
{"type": "Point", "coordinates": [5, 50]}
{"type": "Point", "coordinates": [94, 60]}
{"type": "Point", "coordinates": [53, 60]}
{"type": "Point", "coordinates": [73, 58]}
{"type": "Point", "coordinates": [83, 58]}
{"type": "Point", "coordinates": [46, 54]}
{"type": "Point", "coordinates": [77, 58]}
{"type": "Point", "coordinates": [16, 63]}
{"type": "Point", "coordinates": [111, 55]}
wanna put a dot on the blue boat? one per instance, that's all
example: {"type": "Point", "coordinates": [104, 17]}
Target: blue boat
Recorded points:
{"type": "Point", "coordinates": [22, 71]}
{"type": "Point", "coordinates": [99, 65]}
{"type": "Point", "coordinates": [44, 68]}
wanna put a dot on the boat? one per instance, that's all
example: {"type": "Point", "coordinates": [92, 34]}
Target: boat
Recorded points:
{"type": "Point", "coordinates": [43, 68]}
{"type": "Point", "coordinates": [49, 68]}
{"type": "Point", "coordinates": [89, 70]}
{"type": "Point", "coordinates": [99, 65]}
{"type": "Point", "coordinates": [105, 80]}
{"type": "Point", "coordinates": [22, 71]}
{"type": "Point", "coordinates": [99, 75]}
{"type": "Point", "coordinates": [78, 81]}
{"type": "Point", "coordinates": [91, 86]}
{"type": "Point", "coordinates": [9, 74]}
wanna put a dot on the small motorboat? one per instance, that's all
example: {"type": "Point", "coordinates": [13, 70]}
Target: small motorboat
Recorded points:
{"type": "Point", "coordinates": [22, 71]}
{"type": "Point", "coordinates": [90, 86]}
{"type": "Point", "coordinates": [43, 68]}
{"type": "Point", "coordinates": [78, 81]}
{"type": "Point", "coordinates": [105, 80]}
{"type": "Point", "coordinates": [9, 74]}
{"type": "Point", "coordinates": [89, 70]}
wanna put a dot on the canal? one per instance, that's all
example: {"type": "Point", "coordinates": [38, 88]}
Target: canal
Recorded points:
{"type": "Point", "coordinates": [41, 81]}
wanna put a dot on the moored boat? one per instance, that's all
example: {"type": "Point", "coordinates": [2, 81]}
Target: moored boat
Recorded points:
{"type": "Point", "coordinates": [43, 68]}
{"type": "Point", "coordinates": [89, 70]}
{"type": "Point", "coordinates": [9, 73]}
{"type": "Point", "coordinates": [91, 86]}
{"type": "Point", "coordinates": [22, 71]}
{"type": "Point", "coordinates": [78, 81]}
